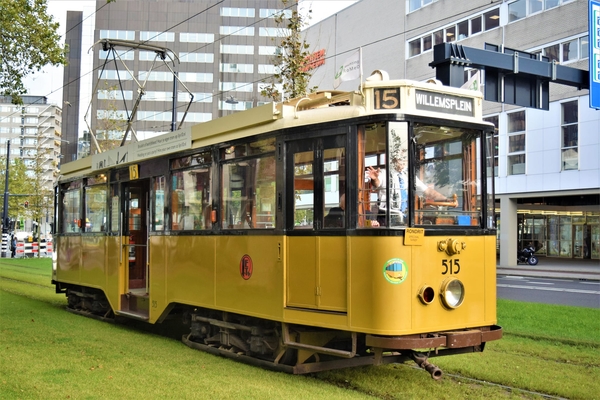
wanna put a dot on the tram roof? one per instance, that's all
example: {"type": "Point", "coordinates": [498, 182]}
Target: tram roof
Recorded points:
{"type": "Point", "coordinates": [320, 107]}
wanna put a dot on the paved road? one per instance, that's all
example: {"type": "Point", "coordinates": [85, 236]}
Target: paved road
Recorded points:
{"type": "Point", "coordinates": [571, 292]}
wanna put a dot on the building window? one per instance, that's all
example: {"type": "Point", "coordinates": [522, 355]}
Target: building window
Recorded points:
{"type": "Point", "coordinates": [114, 75]}
{"type": "Point", "coordinates": [569, 136]}
{"type": "Point", "coordinates": [122, 54]}
{"type": "Point", "coordinates": [414, 48]}
{"type": "Point", "coordinates": [517, 10]}
{"type": "Point", "coordinates": [236, 49]}
{"type": "Point", "coordinates": [570, 50]}
{"type": "Point", "coordinates": [237, 12]}
{"type": "Point", "coordinates": [123, 35]}
{"type": "Point", "coordinates": [492, 19]}
{"type": "Point", "coordinates": [237, 30]}
{"type": "Point", "coordinates": [157, 36]}
{"type": "Point", "coordinates": [272, 13]}
{"type": "Point", "coordinates": [476, 25]}
{"type": "Point", "coordinates": [273, 32]}
{"type": "Point", "coordinates": [195, 77]}
{"type": "Point", "coordinates": [493, 148]}
{"type": "Point", "coordinates": [186, 37]}
{"type": "Point", "coordinates": [414, 5]}
{"type": "Point", "coordinates": [516, 143]}
{"type": "Point", "coordinates": [197, 57]}
{"type": "Point", "coordinates": [522, 8]}
{"type": "Point", "coordinates": [454, 32]}
{"type": "Point", "coordinates": [267, 50]}
{"type": "Point", "coordinates": [236, 86]}
{"type": "Point", "coordinates": [237, 68]}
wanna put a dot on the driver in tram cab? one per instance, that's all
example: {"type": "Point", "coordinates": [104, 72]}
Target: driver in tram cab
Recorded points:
{"type": "Point", "coordinates": [399, 189]}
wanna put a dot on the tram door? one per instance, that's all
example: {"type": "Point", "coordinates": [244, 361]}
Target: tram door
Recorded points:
{"type": "Point", "coordinates": [135, 228]}
{"type": "Point", "coordinates": [315, 220]}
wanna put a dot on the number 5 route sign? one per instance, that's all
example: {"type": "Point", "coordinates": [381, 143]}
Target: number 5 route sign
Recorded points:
{"type": "Point", "coordinates": [594, 15]}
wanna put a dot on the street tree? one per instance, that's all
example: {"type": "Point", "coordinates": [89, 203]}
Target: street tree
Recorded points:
{"type": "Point", "coordinates": [292, 74]}
{"type": "Point", "coordinates": [20, 186]}
{"type": "Point", "coordinates": [29, 40]}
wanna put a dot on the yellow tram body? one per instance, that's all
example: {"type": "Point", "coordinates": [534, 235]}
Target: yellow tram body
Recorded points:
{"type": "Point", "coordinates": [377, 292]}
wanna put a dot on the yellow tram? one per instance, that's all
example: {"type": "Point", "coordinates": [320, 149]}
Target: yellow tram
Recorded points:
{"type": "Point", "coordinates": [340, 229]}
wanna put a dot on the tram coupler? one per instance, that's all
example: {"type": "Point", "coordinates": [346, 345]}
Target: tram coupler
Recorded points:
{"type": "Point", "coordinates": [423, 362]}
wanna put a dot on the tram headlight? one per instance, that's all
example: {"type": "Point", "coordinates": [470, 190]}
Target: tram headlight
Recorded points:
{"type": "Point", "coordinates": [426, 294]}
{"type": "Point", "coordinates": [452, 293]}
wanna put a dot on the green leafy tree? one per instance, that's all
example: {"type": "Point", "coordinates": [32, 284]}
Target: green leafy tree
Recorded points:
{"type": "Point", "coordinates": [291, 59]}
{"type": "Point", "coordinates": [29, 40]}
{"type": "Point", "coordinates": [20, 186]}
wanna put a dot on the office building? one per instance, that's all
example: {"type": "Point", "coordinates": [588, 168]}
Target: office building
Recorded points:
{"type": "Point", "coordinates": [547, 163]}
{"type": "Point", "coordinates": [222, 51]}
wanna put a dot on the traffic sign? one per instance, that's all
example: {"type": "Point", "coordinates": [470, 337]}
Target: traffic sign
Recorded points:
{"type": "Point", "coordinates": [594, 53]}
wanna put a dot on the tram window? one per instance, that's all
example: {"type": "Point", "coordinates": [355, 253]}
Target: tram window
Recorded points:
{"type": "Point", "coordinates": [334, 186]}
{"type": "Point", "coordinates": [446, 162]}
{"type": "Point", "coordinates": [71, 211]}
{"type": "Point", "coordinates": [304, 192]}
{"type": "Point", "coordinates": [372, 150]}
{"type": "Point", "coordinates": [190, 200]}
{"type": "Point", "coordinates": [95, 208]}
{"type": "Point", "coordinates": [248, 194]}
{"type": "Point", "coordinates": [158, 222]}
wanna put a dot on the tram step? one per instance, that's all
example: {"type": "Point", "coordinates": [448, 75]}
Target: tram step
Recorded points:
{"type": "Point", "coordinates": [134, 315]}
{"type": "Point", "coordinates": [138, 304]}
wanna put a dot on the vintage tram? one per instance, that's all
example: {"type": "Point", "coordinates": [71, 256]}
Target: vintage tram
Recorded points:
{"type": "Point", "coordinates": [335, 230]}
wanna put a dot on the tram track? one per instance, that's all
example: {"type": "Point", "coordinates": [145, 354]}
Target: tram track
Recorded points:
{"type": "Point", "coordinates": [511, 389]}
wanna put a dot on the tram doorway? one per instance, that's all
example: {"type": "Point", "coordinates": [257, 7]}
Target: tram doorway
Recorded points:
{"type": "Point", "coordinates": [135, 228]}
{"type": "Point", "coordinates": [316, 259]}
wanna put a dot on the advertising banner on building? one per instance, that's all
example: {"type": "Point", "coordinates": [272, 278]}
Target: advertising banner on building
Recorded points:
{"type": "Point", "coordinates": [350, 70]}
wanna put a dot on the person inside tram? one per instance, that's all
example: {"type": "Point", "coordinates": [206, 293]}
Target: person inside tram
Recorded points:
{"type": "Point", "coordinates": [399, 189]}
{"type": "Point", "coordinates": [335, 217]}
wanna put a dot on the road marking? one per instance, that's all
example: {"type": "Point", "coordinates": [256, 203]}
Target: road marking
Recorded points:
{"type": "Point", "coordinates": [541, 283]}
{"type": "Point", "coordinates": [550, 289]}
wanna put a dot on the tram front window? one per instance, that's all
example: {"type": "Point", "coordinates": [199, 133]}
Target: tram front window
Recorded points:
{"type": "Point", "coordinates": [446, 161]}
{"type": "Point", "coordinates": [440, 179]}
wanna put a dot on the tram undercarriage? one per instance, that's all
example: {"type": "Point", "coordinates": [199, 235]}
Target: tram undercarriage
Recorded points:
{"type": "Point", "coordinates": [298, 349]}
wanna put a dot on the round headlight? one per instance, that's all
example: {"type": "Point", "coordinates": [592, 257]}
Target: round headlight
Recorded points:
{"type": "Point", "coordinates": [452, 293]}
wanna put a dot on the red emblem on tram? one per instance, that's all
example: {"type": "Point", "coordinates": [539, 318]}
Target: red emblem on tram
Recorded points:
{"type": "Point", "coordinates": [246, 267]}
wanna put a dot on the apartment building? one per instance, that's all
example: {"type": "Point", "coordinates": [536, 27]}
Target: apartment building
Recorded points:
{"type": "Point", "coordinates": [547, 163]}
{"type": "Point", "coordinates": [34, 132]}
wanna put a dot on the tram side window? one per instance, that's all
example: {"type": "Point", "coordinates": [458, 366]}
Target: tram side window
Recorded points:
{"type": "Point", "coordinates": [248, 188]}
{"type": "Point", "coordinates": [71, 211]}
{"type": "Point", "coordinates": [158, 223]}
{"type": "Point", "coordinates": [95, 209]}
{"type": "Point", "coordinates": [334, 187]}
{"type": "Point", "coordinates": [304, 193]}
{"type": "Point", "coordinates": [191, 199]}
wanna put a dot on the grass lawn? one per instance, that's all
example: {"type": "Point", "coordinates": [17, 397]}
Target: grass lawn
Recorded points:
{"type": "Point", "coordinates": [47, 352]}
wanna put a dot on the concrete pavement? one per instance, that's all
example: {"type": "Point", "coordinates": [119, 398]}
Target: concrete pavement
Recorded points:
{"type": "Point", "coordinates": [550, 267]}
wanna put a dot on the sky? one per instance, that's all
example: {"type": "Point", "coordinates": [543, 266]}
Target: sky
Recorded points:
{"type": "Point", "coordinates": [322, 9]}
{"type": "Point", "coordinates": [49, 81]}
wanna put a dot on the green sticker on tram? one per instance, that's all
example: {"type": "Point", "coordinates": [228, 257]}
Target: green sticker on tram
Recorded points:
{"type": "Point", "coordinates": [395, 270]}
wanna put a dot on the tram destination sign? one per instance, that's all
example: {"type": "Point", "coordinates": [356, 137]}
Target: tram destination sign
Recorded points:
{"type": "Point", "coordinates": [444, 103]}
{"type": "Point", "coordinates": [157, 146]}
